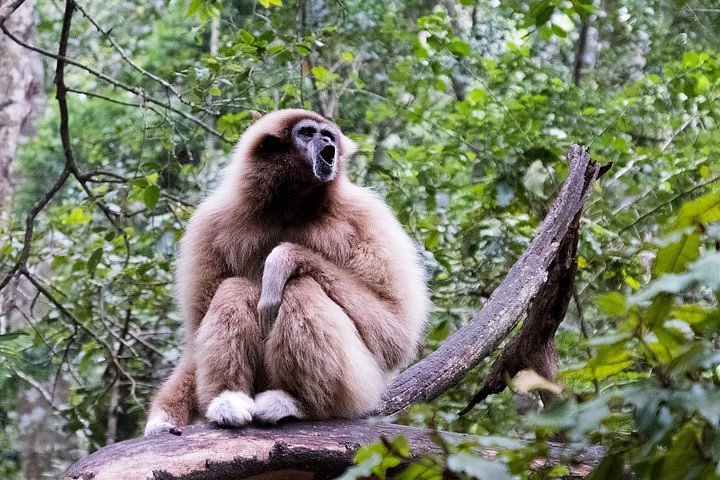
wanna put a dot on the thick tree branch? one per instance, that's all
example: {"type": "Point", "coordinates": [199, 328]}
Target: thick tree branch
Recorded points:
{"type": "Point", "coordinates": [534, 345]}
{"type": "Point", "coordinates": [446, 366]}
{"type": "Point", "coordinates": [301, 450]}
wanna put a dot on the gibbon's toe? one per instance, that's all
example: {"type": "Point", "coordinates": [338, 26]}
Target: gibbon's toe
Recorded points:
{"type": "Point", "coordinates": [232, 409]}
{"type": "Point", "coordinates": [158, 422]}
{"type": "Point", "coordinates": [158, 427]}
{"type": "Point", "coordinates": [274, 405]}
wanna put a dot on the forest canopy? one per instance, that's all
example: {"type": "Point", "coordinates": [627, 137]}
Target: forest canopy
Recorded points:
{"type": "Point", "coordinates": [463, 111]}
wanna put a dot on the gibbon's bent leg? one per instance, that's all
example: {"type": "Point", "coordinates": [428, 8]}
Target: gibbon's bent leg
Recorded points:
{"type": "Point", "coordinates": [315, 354]}
{"type": "Point", "coordinates": [228, 354]}
{"type": "Point", "coordinates": [174, 404]}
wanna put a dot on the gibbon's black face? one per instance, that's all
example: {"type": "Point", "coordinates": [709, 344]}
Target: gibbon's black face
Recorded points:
{"type": "Point", "coordinates": [318, 142]}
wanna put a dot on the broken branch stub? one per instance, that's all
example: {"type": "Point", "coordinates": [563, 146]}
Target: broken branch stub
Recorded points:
{"type": "Point", "coordinates": [446, 367]}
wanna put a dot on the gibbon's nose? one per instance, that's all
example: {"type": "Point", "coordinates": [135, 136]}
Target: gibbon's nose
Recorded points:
{"type": "Point", "coordinates": [327, 154]}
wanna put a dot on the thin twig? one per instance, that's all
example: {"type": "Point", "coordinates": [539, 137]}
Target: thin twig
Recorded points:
{"type": "Point", "coordinates": [134, 90]}
{"type": "Point", "coordinates": [30, 226]}
{"type": "Point", "coordinates": [584, 330]}
{"type": "Point", "coordinates": [47, 396]}
{"type": "Point", "coordinates": [140, 69]}
{"type": "Point", "coordinates": [8, 9]}
{"type": "Point", "coordinates": [669, 202]}
{"type": "Point", "coordinates": [76, 323]}
{"type": "Point", "coordinates": [677, 131]}
{"type": "Point", "coordinates": [114, 100]}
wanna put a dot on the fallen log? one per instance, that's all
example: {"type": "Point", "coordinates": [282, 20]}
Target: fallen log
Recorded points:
{"type": "Point", "coordinates": [325, 449]}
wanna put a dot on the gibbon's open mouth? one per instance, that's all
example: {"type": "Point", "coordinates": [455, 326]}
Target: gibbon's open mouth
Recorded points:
{"type": "Point", "coordinates": [327, 154]}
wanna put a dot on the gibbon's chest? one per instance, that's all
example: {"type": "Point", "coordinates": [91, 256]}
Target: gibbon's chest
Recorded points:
{"type": "Point", "coordinates": [335, 239]}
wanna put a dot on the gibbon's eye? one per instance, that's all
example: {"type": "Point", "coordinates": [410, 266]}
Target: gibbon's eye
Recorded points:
{"type": "Point", "coordinates": [328, 134]}
{"type": "Point", "coordinates": [307, 132]}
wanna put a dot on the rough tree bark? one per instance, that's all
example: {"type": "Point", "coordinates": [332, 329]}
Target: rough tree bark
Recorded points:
{"type": "Point", "coordinates": [534, 345]}
{"type": "Point", "coordinates": [297, 451]}
{"type": "Point", "coordinates": [445, 367]}
{"type": "Point", "coordinates": [324, 449]}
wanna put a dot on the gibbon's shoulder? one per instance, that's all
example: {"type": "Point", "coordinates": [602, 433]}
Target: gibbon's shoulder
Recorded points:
{"type": "Point", "coordinates": [363, 200]}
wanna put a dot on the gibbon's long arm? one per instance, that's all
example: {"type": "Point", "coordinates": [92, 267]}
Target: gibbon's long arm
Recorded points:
{"type": "Point", "coordinates": [380, 322]}
{"type": "Point", "coordinates": [200, 270]}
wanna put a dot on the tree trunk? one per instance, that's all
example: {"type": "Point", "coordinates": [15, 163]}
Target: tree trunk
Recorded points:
{"type": "Point", "coordinates": [21, 95]}
{"type": "Point", "coordinates": [22, 100]}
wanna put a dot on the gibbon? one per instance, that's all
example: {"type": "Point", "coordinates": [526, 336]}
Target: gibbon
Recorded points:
{"type": "Point", "coordinates": [300, 291]}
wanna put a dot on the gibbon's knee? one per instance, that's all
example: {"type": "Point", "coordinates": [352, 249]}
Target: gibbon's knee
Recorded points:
{"type": "Point", "coordinates": [315, 353]}
{"type": "Point", "coordinates": [228, 342]}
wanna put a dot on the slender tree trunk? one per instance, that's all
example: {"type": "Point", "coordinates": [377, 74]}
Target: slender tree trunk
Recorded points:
{"type": "Point", "coordinates": [21, 95]}
{"type": "Point", "coordinates": [580, 49]}
{"type": "Point", "coordinates": [22, 100]}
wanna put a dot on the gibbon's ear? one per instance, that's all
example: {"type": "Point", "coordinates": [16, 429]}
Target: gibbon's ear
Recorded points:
{"type": "Point", "coordinates": [348, 147]}
{"type": "Point", "coordinates": [255, 116]}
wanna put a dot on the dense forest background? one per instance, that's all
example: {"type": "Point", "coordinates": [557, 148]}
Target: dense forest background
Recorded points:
{"type": "Point", "coordinates": [463, 110]}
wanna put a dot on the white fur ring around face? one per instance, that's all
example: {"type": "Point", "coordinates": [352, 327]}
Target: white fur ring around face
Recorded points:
{"type": "Point", "coordinates": [274, 405]}
{"type": "Point", "coordinates": [231, 409]}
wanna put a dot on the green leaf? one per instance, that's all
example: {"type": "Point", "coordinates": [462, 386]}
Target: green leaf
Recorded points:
{"type": "Point", "coordinates": [77, 216]}
{"type": "Point", "coordinates": [7, 337]}
{"type": "Point", "coordinates": [702, 210]}
{"type": "Point", "coordinates": [477, 467]}
{"type": "Point", "coordinates": [542, 13]}
{"type": "Point", "coordinates": [609, 360]}
{"type": "Point", "coordinates": [702, 84]}
{"type": "Point", "coordinates": [458, 47]}
{"type": "Point", "coordinates": [691, 314]}
{"type": "Point", "coordinates": [613, 304]}
{"type": "Point", "coordinates": [245, 36]}
{"type": "Point", "coordinates": [151, 195]}
{"type": "Point", "coordinates": [94, 260]}
{"type": "Point", "coordinates": [659, 310]}
{"type": "Point", "coordinates": [323, 74]}
{"type": "Point", "coordinates": [674, 257]}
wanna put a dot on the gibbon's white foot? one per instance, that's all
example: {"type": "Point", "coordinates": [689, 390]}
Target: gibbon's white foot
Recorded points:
{"type": "Point", "coordinates": [158, 423]}
{"type": "Point", "coordinates": [231, 409]}
{"type": "Point", "coordinates": [274, 405]}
